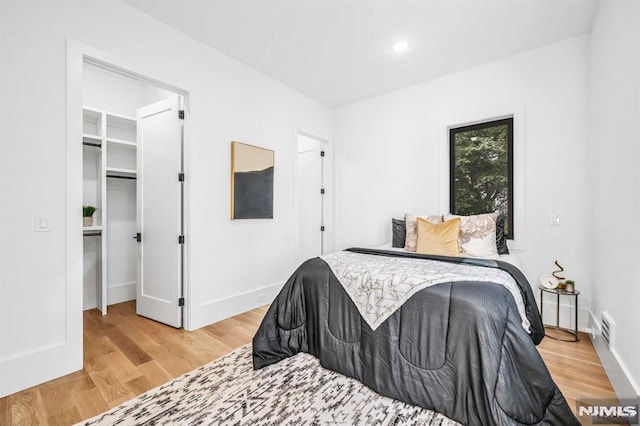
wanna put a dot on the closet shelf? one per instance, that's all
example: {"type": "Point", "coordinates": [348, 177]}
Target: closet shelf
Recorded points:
{"type": "Point", "coordinates": [92, 231]}
{"type": "Point", "coordinates": [122, 142]}
{"type": "Point", "coordinates": [121, 173]}
{"type": "Point", "coordinates": [92, 139]}
{"type": "Point", "coordinates": [91, 112]}
{"type": "Point", "coordinates": [120, 120]}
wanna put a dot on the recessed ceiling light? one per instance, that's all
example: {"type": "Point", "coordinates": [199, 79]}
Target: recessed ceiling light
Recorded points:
{"type": "Point", "coordinates": [400, 46]}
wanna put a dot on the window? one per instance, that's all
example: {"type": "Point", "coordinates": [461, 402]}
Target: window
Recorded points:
{"type": "Point", "coordinates": [481, 170]}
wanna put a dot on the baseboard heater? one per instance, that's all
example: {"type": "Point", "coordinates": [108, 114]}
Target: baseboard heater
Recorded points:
{"type": "Point", "coordinates": [608, 329]}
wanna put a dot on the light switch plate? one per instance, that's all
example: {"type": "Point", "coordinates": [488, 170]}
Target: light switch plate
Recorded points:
{"type": "Point", "coordinates": [554, 219]}
{"type": "Point", "coordinates": [43, 223]}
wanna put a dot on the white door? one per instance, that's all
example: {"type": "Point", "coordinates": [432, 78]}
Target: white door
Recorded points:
{"type": "Point", "coordinates": [309, 199]}
{"type": "Point", "coordinates": [159, 212]}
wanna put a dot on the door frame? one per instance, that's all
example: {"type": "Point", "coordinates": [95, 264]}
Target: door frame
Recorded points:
{"type": "Point", "coordinates": [78, 54]}
{"type": "Point", "coordinates": [327, 177]}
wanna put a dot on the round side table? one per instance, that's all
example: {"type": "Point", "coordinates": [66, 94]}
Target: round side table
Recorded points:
{"type": "Point", "coordinates": [560, 292]}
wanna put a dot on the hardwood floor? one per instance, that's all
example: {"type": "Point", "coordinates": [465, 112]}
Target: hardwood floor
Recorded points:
{"type": "Point", "coordinates": [576, 369]}
{"type": "Point", "coordinates": [126, 355]}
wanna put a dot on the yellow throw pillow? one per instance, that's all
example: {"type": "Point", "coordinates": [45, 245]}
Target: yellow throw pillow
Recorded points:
{"type": "Point", "coordinates": [440, 239]}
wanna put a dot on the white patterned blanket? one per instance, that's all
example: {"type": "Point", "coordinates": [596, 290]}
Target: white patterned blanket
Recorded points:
{"type": "Point", "coordinates": [379, 285]}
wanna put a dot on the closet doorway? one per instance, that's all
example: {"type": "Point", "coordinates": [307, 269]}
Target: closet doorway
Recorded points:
{"type": "Point", "coordinates": [310, 197]}
{"type": "Point", "coordinates": [133, 174]}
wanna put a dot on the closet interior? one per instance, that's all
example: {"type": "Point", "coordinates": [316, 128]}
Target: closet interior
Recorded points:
{"type": "Point", "coordinates": [110, 150]}
{"type": "Point", "coordinates": [109, 159]}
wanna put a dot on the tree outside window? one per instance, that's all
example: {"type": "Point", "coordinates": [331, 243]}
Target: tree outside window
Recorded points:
{"type": "Point", "coordinates": [481, 170]}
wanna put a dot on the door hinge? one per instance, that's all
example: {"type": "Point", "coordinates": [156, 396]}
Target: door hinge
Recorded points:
{"type": "Point", "coordinates": [181, 114]}
{"type": "Point", "coordinates": [321, 153]}
{"type": "Point", "coordinates": [322, 190]}
{"type": "Point", "coordinates": [138, 237]}
{"type": "Point", "coordinates": [322, 228]}
{"type": "Point", "coordinates": [180, 177]}
{"type": "Point", "coordinates": [181, 301]}
{"type": "Point", "coordinates": [181, 239]}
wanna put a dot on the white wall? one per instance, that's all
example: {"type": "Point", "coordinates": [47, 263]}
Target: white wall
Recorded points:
{"type": "Point", "coordinates": [615, 175]}
{"type": "Point", "coordinates": [228, 101]}
{"type": "Point", "coordinates": [389, 152]}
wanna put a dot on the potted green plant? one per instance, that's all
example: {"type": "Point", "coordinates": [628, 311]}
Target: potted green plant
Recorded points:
{"type": "Point", "coordinates": [87, 214]}
{"type": "Point", "coordinates": [569, 286]}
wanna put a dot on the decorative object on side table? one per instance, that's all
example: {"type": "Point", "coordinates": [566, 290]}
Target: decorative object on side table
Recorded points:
{"type": "Point", "coordinates": [558, 277]}
{"type": "Point", "coordinates": [549, 281]}
{"type": "Point", "coordinates": [87, 215]}
{"type": "Point", "coordinates": [569, 286]}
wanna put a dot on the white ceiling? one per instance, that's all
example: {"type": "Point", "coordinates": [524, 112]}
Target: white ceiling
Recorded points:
{"type": "Point", "coordinates": [340, 51]}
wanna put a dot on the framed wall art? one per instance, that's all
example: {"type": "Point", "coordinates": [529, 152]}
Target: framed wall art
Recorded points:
{"type": "Point", "coordinates": [251, 181]}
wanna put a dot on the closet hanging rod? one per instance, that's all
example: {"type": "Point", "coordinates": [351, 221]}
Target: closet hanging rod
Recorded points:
{"type": "Point", "coordinates": [92, 144]}
{"type": "Point", "coordinates": [121, 177]}
{"type": "Point", "coordinates": [92, 234]}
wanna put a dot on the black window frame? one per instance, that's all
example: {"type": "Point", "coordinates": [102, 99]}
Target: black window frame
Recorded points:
{"type": "Point", "coordinates": [452, 183]}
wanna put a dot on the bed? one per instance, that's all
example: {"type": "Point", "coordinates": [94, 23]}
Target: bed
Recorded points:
{"type": "Point", "coordinates": [463, 344]}
{"type": "Point", "coordinates": [508, 257]}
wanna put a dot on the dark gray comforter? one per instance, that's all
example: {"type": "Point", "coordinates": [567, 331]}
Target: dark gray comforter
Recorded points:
{"type": "Point", "coordinates": [457, 348]}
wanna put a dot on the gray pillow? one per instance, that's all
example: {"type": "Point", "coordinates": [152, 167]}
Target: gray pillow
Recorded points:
{"type": "Point", "coordinates": [501, 240]}
{"type": "Point", "coordinates": [399, 232]}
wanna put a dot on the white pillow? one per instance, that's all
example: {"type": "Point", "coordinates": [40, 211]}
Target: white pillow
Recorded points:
{"type": "Point", "coordinates": [477, 234]}
{"type": "Point", "coordinates": [411, 222]}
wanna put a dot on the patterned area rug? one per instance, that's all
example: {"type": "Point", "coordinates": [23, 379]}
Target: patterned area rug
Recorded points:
{"type": "Point", "coordinates": [296, 391]}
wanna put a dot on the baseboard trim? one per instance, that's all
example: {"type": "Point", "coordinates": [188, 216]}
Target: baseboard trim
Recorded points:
{"type": "Point", "coordinates": [89, 300]}
{"type": "Point", "coordinates": [619, 375]}
{"type": "Point", "coordinates": [567, 312]}
{"type": "Point", "coordinates": [627, 373]}
{"type": "Point", "coordinates": [118, 293]}
{"type": "Point", "coordinates": [26, 370]}
{"type": "Point", "coordinates": [217, 310]}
